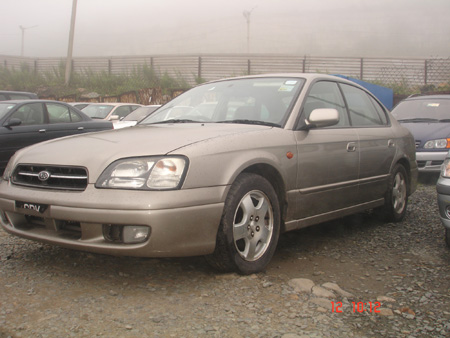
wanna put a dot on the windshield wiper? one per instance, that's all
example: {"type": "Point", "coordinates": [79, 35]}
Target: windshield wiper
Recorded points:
{"type": "Point", "coordinates": [244, 121]}
{"type": "Point", "coordinates": [444, 120]}
{"type": "Point", "coordinates": [177, 121]}
{"type": "Point", "coordinates": [419, 119]}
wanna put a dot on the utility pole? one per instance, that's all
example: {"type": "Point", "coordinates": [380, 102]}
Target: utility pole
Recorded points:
{"type": "Point", "coordinates": [23, 38]}
{"type": "Point", "coordinates": [70, 49]}
{"type": "Point", "coordinates": [247, 17]}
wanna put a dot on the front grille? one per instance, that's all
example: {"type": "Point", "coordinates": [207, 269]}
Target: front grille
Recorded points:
{"type": "Point", "coordinates": [51, 177]}
{"type": "Point", "coordinates": [417, 144]}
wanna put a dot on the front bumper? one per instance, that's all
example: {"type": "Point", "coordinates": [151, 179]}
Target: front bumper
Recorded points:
{"type": "Point", "coordinates": [182, 222]}
{"type": "Point", "coordinates": [430, 161]}
{"type": "Point", "coordinates": [443, 197]}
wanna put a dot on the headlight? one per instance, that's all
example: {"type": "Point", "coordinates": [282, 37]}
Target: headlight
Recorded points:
{"type": "Point", "coordinates": [144, 173]}
{"type": "Point", "coordinates": [9, 169]}
{"type": "Point", "coordinates": [445, 168]}
{"type": "Point", "coordinates": [443, 143]}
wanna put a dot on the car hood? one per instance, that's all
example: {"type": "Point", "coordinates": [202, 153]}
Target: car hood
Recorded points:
{"type": "Point", "coordinates": [428, 131]}
{"type": "Point", "coordinates": [96, 151]}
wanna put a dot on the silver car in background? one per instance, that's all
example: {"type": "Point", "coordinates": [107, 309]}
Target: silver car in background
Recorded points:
{"type": "Point", "coordinates": [219, 171]}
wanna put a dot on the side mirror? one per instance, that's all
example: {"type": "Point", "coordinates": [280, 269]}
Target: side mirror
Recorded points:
{"type": "Point", "coordinates": [13, 122]}
{"type": "Point", "coordinates": [323, 117]}
{"type": "Point", "coordinates": [114, 118]}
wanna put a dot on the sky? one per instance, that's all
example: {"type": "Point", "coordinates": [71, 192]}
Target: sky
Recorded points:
{"type": "Point", "coordinates": [329, 28]}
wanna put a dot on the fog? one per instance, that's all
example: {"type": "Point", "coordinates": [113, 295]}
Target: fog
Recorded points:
{"type": "Point", "coordinates": [351, 28]}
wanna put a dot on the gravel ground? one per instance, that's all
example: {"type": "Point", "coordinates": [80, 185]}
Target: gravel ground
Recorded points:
{"type": "Point", "coordinates": [316, 286]}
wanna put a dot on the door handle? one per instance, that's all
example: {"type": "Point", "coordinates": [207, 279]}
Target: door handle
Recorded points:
{"type": "Point", "coordinates": [391, 144]}
{"type": "Point", "coordinates": [42, 130]}
{"type": "Point", "coordinates": [80, 128]}
{"type": "Point", "coordinates": [351, 146]}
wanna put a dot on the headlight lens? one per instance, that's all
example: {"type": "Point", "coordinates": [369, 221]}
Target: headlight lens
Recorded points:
{"type": "Point", "coordinates": [437, 144]}
{"type": "Point", "coordinates": [445, 168]}
{"type": "Point", "coordinates": [9, 169]}
{"type": "Point", "coordinates": [146, 173]}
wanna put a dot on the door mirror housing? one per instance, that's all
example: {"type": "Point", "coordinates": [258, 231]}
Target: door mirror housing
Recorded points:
{"type": "Point", "coordinates": [13, 122]}
{"type": "Point", "coordinates": [322, 117]}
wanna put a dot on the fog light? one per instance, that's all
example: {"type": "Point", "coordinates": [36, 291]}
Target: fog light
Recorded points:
{"type": "Point", "coordinates": [128, 234]}
{"type": "Point", "coordinates": [135, 234]}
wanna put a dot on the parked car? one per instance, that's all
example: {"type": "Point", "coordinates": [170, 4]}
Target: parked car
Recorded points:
{"type": "Point", "coordinates": [263, 155]}
{"type": "Point", "coordinates": [443, 194]}
{"type": "Point", "coordinates": [428, 119]}
{"type": "Point", "coordinates": [79, 105]}
{"type": "Point", "coordinates": [12, 95]}
{"type": "Point", "coordinates": [136, 116]}
{"type": "Point", "coordinates": [25, 122]}
{"type": "Point", "coordinates": [109, 111]}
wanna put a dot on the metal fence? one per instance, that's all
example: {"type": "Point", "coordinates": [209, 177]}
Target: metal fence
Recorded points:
{"type": "Point", "coordinates": [388, 71]}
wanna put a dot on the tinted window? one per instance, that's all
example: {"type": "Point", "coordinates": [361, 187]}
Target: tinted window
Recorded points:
{"type": "Point", "coordinates": [326, 94]}
{"type": "Point", "coordinates": [430, 108]}
{"type": "Point", "coordinates": [30, 114]}
{"type": "Point", "coordinates": [361, 108]}
{"type": "Point", "coordinates": [5, 108]}
{"type": "Point", "coordinates": [58, 113]}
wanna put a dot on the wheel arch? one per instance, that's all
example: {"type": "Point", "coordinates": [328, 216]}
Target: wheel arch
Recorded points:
{"type": "Point", "coordinates": [274, 177]}
{"type": "Point", "coordinates": [405, 163]}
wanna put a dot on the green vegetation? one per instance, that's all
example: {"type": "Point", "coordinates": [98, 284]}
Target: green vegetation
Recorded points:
{"type": "Point", "coordinates": [51, 83]}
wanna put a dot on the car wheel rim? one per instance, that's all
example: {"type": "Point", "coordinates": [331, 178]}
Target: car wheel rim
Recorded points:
{"type": "Point", "coordinates": [399, 193]}
{"type": "Point", "coordinates": [253, 225]}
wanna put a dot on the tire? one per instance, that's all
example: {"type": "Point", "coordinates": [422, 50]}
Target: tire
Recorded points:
{"type": "Point", "coordinates": [396, 200]}
{"type": "Point", "coordinates": [249, 228]}
{"type": "Point", "coordinates": [447, 237]}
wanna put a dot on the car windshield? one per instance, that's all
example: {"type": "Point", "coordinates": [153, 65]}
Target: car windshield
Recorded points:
{"type": "Point", "coordinates": [99, 111]}
{"type": "Point", "coordinates": [266, 101]}
{"type": "Point", "coordinates": [423, 110]}
{"type": "Point", "coordinates": [5, 108]}
{"type": "Point", "coordinates": [139, 113]}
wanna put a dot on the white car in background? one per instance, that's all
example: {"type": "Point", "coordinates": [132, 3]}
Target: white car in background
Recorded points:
{"type": "Point", "coordinates": [109, 111]}
{"type": "Point", "coordinates": [136, 116]}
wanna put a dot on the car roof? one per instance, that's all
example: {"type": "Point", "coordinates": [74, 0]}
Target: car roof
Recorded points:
{"type": "Point", "coordinates": [33, 100]}
{"type": "Point", "coordinates": [429, 97]}
{"type": "Point", "coordinates": [112, 103]}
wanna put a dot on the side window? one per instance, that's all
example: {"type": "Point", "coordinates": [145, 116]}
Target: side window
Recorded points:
{"type": "Point", "coordinates": [122, 111]}
{"type": "Point", "coordinates": [58, 113]}
{"type": "Point", "coordinates": [361, 108]}
{"type": "Point", "coordinates": [74, 116]}
{"type": "Point", "coordinates": [326, 94]}
{"type": "Point", "coordinates": [30, 114]}
{"type": "Point", "coordinates": [381, 111]}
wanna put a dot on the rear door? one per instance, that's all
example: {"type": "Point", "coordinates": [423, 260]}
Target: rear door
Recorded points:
{"type": "Point", "coordinates": [328, 158]}
{"type": "Point", "coordinates": [376, 141]}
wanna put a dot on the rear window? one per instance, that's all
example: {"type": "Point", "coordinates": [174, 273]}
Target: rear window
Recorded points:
{"type": "Point", "coordinates": [438, 109]}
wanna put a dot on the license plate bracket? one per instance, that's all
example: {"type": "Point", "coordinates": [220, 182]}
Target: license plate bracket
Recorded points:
{"type": "Point", "coordinates": [38, 207]}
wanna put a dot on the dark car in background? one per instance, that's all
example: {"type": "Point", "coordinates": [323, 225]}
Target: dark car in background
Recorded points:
{"type": "Point", "coordinates": [13, 95]}
{"type": "Point", "coordinates": [428, 119]}
{"type": "Point", "coordinates": [25, 122]}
